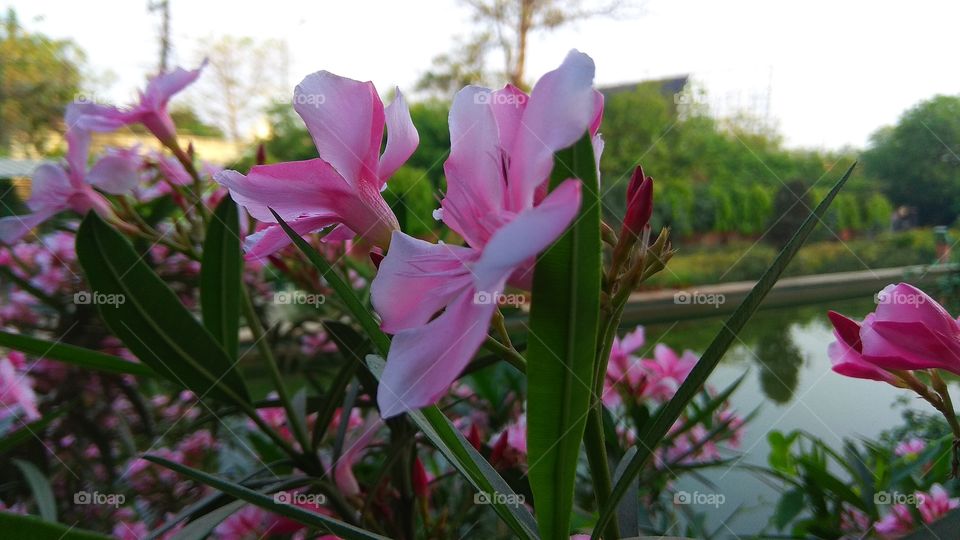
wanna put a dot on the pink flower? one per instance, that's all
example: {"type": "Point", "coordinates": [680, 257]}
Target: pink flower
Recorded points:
{"type": "Point", "coordinates": [910, 330]}
{"type": "Point", "coordinates": [16, 393]}
{"type": "Point", "coordinates": [356, 443]}
{"type": "Point", "coordinates": [936, 503]}
{"type": "Point", "coordinates": [151, 110]}
{"type": "Point", "coordinates": [509, 447]}
{"type": "Point", "coordinates": [911, 447]}
{"type": "Point", "coordinates": [501, 156]}
{"type": "Point", "coordinates": [666, 371]}
{"type": "Point", "coordinates": [846, 353]}
{"type": "Point", "coordinates": [55, 189]}
{"type": "Point", "coordinates": [340, 188]}
{"type": "Point", "coordinates": [623, 369]}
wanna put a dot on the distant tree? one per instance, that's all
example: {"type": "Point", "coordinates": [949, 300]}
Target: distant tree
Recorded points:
{"type": "Point", "coordinates": [430, 119]}
{"type": "Point", "coordinates": [878, 212]}
{"type": "Point", "coordinates": [464, 65]}
{"type": "Point", "coordinates": [918, 160]}
{"type": "Point", "coordinates": [507, 25]}
{"type": "Point", "coordinates": [39, 76]}
{"type": "Point", "coordinates": [243, 79]}
{"type": "Point", "coordinates": [791, 206]}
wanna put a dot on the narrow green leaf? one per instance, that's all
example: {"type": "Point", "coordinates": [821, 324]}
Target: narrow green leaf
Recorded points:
{"type": "Point", "coordinates": [221, 269]}
{"type": "Point", "coordinates": [484, 478]}
{"type": "Point", "coordinates": [313, 519]}
{"type": "Point", "coordinates": [40, 487]}
{"type": "Point", "coordinates": [149, 318]}
{"type": "Point", "coordinates": [71, 354]}
{"type": "Point", "coordinates": [26, 432]}
{"type": "Point", "coordinates": [341, 287]}
{"type": "Point", "coordinates": [34, 528]}
{"type": "Point", "coordinates": [564, 319]}
{"type": "Point", "coordinates": [657, 429]}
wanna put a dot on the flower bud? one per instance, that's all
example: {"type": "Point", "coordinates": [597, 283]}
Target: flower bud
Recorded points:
{"type": "Point", "coordinates": [261, 154]}
{"type": "Point", "coordinates": [639, 202]}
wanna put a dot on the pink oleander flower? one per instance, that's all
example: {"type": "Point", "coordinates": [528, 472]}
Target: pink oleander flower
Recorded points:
{"type": "Point", "coordinates": [912, 447]}
{"type": "Point", "coordinates": [624, 369]}
{"type": "Point", "coordinates": [846, 353]}
{"type": "Point", "coordinates": [932, 505]}
{"type": "Point", "coordinates": [666, 371]}
{"type": "Point", "coordinates": [357, 441]}
{"type": "Point", "coordinates": [16, 393]}
{"type": "Point", "coordinates": [908, 331]}
{"type": "Point", "coordinates": [501, 156]}
{"type": "Point", "coordinates": [509, 447]}
{"type": "Point", "coordinates": [342, 187]}
{"type": "Point", "coordinates": [55, 189]}
{"type": "Point", "coordinates": [150, 111]}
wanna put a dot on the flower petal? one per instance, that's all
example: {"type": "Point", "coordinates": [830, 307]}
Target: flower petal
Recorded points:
{"type": "Point", "coordinates": [475, 169]}
{"type": "Point", "coordinates": [13, 228]}
{"type": "Point", "coordinates": [272, 238]}
{"type": "Point", "coordinates": [417, 279]}
{"type": "Point", "coordinates": [402, 138]}
{"type": "Point", "coordinates": [345, 118]}
{"type": "Point", "coordinates": [561, 109]}
{"type": "Point", "coordinates": [116, 172]}
{"type": "Point", "coordinates": [162, 87]}
{"type": "Point", "coordinates": [50, 188]}
{"type": "Point", "coordinates": [423, 362]}
{"type": "Point", "coordinates": [527, 235]}
{"type": "Point", "coordinates": [294, 189]}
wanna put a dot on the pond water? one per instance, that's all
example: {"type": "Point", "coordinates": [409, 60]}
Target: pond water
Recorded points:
{"type": "Point", "coordinates": [790, 385]}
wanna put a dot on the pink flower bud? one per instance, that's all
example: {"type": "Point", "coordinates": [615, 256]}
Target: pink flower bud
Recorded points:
{"type": "Point", "coordinates": [639, 202]}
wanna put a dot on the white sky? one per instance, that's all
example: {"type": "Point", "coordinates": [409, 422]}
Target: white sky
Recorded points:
{"type": "Point", "coordinates": [834, 70]}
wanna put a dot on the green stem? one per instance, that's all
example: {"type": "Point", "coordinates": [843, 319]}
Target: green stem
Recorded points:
{"type": "Point", "coordinates": [256, 328]}
{"type": "Point", "coordinates": [509, 354]}
{"type": "Point", "coordinates": [594, 443]}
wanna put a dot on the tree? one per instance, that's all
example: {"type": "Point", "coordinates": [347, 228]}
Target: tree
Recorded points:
{"type": "Point", "coordinates": [917, 161]}
{"type": "Point", "coordinates": [791, 206]}
{"type": "Point", "coordinates": [507, 25]}
{"type": "Point", "coordinates": [243, 78]}
{"type": "Point", "coordinates": [39, 76]}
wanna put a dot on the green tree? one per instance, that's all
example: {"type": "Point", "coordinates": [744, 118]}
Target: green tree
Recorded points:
{"type": "Point", "coordinates": [39, 76]}
{"type": "Point", "coordinates": [917, 161]}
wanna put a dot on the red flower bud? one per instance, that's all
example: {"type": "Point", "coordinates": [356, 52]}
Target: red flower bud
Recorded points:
{"type": "Point", "coordinates": [639, 202]}
{"type": "Point", "coordinates": [473, 437]}
{"type": "Point", "coordinates": [421, 482]}
{"type": "Point", "coordinates": [376, 258]}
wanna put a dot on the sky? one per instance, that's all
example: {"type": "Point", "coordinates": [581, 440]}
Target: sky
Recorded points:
{"type": "Point", "coordinates": [827, 72]}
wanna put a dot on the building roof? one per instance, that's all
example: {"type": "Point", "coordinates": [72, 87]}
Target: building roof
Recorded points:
{"type": "Point", "coordinates": [669, 86]}
{"type": "Point", "coordinates": [18, 168]}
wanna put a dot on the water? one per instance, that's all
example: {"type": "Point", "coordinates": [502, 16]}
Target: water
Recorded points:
{"type": "Point", "coordinates": [791, 386]}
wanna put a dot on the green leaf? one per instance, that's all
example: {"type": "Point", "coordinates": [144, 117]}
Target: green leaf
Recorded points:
{"type": "Point", "coordinates": [19, 436]}
{"type": "Point", "coordinates": [34, 528]}
{"type": "Point", "coordinates": [70, 354]}
{"type": "Point", "coordinates": [221, 269]}
{"type": "Point", "coordinates": [564, 319]}
{"type": "Point", "coordinates": [313, 519]}
{"type": "Point", "coordinates": [657, 429]}
{"type": "Point", "coordinates": [341, 287]}
{"type": "Point", "coordinates": [484, 478]}
{"type": "Point", "coordinates": [40, 487]}
{"type": "Point", "coordinates": [150, 320]}
{"type": "Point", "coordinates": [789, 507]}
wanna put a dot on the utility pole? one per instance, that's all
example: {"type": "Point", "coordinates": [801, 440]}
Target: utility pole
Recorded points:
{"type": "Point", "coordinates": [163, 6]}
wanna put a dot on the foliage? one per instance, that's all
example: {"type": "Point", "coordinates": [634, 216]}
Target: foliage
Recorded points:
{"type": "Point", "coordinates": [39, 75]}
{"type": "Point", "coordinates": [916, 160]}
